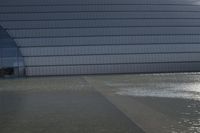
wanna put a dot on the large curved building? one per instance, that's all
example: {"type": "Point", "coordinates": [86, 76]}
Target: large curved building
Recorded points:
{"type": "Point", "coordinates": [69, 37]}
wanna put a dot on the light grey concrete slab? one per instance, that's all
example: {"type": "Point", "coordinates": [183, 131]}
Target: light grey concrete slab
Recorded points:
{"type": "Point", "coordinates": [163, 103]}
{"type": "Point", "coordinates": [64, 105]}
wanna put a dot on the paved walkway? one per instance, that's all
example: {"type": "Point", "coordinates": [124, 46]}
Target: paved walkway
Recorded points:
{"type": "Point", "coordinates": [153, 103]}
{"type": "Point", "coordinates": [72, 106]}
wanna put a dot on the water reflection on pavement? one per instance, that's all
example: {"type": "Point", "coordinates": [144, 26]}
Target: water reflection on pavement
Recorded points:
{"type": "Point", "coordinates": [154, 103]}
{"type": "Point", "coordinates": [175, 95]}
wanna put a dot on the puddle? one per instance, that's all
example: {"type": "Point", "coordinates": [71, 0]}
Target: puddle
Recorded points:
{"type": "Point", "coordinates": [184, 91]}
{"type": "Point", "coordinates": [188, 116]}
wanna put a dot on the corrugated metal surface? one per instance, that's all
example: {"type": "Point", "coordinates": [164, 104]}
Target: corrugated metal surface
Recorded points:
{"type": "Point", "coordinates": [44, 33]}
{"type": "Point", "coordinates": [114, 68]}
{"type": "Point", "coordinates": [109, 49]}
{"type": "Point", "coordinates": [66, 24]}
{"type": "Point", "coordinates": [108, 40]}
{"type": "Point", "coordinates": [67, 37]}
{"type": "Point", "coordinates": [110, 59]}
{"type": "Point", "coordinates": [78, 2]}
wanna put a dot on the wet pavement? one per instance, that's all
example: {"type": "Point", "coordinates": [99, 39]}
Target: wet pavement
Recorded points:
{"type": "Point", "coordinates": [79, 109]}
{"type": "Point", "coordinates": [151, 103]}
{"type": "Point", "coordinates": [167, 103]}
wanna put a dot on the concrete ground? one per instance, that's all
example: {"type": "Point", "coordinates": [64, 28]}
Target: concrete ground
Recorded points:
{"type": "Point", "coordinates": [151, 103]}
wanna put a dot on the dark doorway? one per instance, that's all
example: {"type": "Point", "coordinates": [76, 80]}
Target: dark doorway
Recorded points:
{"type": "Point", "coordinates": [4, 72]}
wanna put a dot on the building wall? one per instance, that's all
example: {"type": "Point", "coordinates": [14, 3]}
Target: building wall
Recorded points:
{"type": "Point", "coordinates": [66, 37]}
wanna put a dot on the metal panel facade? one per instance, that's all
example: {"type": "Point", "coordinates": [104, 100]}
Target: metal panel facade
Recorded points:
{"type": "Point", "coordinates": [67, 37]}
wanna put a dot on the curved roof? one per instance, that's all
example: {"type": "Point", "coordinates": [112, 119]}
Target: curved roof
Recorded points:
{"type": "Point", "coordinates": [64, 37]}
